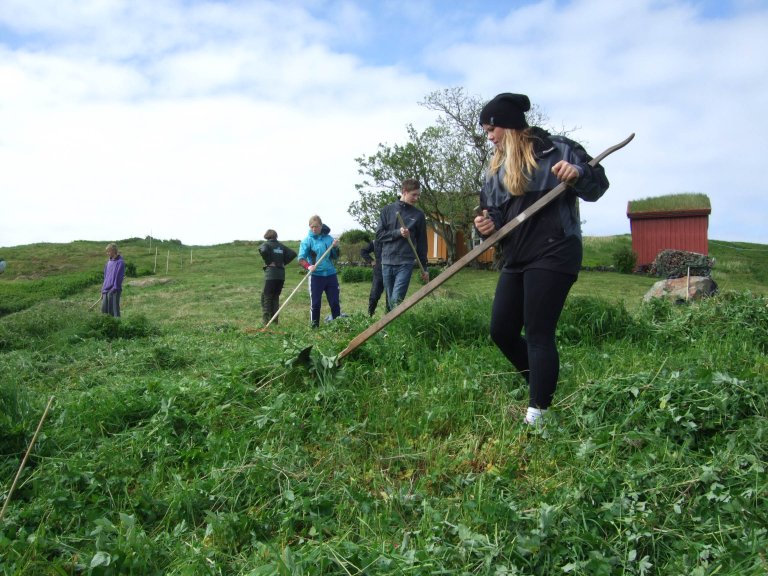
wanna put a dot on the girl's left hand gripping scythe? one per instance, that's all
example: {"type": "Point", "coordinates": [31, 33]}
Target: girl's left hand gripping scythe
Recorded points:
{"type": "Point", "coordinates": [473, 254]}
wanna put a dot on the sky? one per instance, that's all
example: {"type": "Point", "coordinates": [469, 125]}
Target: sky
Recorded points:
{"type": "Point", "coordinates": [211, 121]}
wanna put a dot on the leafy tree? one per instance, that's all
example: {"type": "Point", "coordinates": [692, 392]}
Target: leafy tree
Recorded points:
{"type": "Point", "coordinates": [447, 158]}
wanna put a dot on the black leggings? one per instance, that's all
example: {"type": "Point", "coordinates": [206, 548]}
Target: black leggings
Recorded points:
{"type": "Point", "coordinates": [532, 299]}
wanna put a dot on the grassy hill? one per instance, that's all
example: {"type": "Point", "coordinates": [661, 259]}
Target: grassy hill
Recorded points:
{"type": "Point", "coordinates": [38, 272]}
{"type": "Point", "coordinates": [184, 440]}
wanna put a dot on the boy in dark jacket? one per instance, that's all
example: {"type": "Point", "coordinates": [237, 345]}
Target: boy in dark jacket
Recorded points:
{"type": "Point", "coordinates": [398, 222]}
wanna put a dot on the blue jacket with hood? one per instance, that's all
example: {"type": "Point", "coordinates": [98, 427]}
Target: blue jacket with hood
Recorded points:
{"type": "Point", "coordinates": [314, 246]}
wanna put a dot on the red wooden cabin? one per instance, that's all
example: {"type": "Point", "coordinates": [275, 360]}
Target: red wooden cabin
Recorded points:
{"type": "Point", "coordinates": [655, 231]}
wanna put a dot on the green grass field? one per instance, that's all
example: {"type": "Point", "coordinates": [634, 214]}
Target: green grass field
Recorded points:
{"type": "Point", "coordinates": [184, 440]}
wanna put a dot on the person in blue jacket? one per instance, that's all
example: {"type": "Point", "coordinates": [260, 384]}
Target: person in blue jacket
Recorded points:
{"type": "Point", "coordinates": [541, 258]}
{"type": "Point", "coordinates": [114, 272]}
{"type": "Point", "coordinates": [323, 277]}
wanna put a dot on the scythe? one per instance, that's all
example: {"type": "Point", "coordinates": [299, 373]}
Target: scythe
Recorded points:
{"type": "Point", "coordinates": [470, 256]}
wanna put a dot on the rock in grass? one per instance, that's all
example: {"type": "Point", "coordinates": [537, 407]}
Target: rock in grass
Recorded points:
{"type": "Point", "coordinates": [682, 289]}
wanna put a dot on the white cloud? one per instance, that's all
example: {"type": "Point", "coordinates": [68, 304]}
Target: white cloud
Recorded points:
{"type": "Point", "coordinates": [213, 121]}
{"type": "Point", "coordinates": [691, 88]}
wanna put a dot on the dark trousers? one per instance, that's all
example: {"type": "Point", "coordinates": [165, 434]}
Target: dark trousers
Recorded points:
{"type": "Point", "coordinates": [377, 289]}
{"type": "Point", "coordinates": [270, 299]}
{"type": "Point", "coordinates": [319, 285]}
{"type": "Point", "coordinates": [110, 304]}
{"type": "Point", "coordinates": [532, 300]}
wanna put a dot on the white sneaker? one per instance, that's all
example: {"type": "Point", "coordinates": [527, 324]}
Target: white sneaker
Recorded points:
{"type": "Point", "coordinates": [534, 416]}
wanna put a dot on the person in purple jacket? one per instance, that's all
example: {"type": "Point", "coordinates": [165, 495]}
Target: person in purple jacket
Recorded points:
{"type": "Point", "coordinates": [114, 272]}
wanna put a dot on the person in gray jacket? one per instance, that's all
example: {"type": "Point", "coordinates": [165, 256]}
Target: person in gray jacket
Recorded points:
{"type": "Point", "coordinates": [275, 255]}
{"type": "Point", "coordinates": [542, 258]}
{"type": "Point", "coordinates": [398, 222]}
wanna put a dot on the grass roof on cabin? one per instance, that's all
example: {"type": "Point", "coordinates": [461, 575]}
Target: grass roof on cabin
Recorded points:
{"type": "Point", "coordinates": [685, 201]}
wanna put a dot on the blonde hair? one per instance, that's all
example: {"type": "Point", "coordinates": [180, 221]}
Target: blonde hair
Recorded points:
{"type": "Point", "coordinates": [315, 220]}
{"type": "Point", "coordinates": [516, 155]}
{"type": "Point", "coordinates": [111, 246]}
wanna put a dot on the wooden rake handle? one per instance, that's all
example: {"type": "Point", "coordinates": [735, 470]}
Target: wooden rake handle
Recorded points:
{"type": "Point", "coordinates": [470, 256]}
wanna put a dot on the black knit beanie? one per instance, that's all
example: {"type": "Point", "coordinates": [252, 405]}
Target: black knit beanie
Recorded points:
{"type": "Point", "coordinates": [506, 111]}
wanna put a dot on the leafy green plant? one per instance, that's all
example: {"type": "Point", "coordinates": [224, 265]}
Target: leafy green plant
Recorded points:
{"type": "Point", "coordinates": [624, 260]}
{"type": "Point", "coordinates": [355, 237]}
{"type": "Point", "coordinates": [356, 274]}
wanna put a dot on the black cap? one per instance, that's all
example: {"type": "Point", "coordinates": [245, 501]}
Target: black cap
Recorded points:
{"type": "Point", "coordinates": [506, 110]}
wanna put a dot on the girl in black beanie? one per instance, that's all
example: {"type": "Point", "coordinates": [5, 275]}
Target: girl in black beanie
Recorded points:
{"type": "Point", "coordinates": [542, 258]}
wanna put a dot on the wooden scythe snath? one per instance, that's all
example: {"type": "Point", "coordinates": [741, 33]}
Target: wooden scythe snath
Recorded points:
{"type": "Point", "coordinates": [470, 256]}
{"type": "Point", "coordinates": [410, 242]}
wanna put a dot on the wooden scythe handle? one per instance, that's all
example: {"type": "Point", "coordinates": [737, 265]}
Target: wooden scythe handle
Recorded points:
{"type": "Point", "coordinates": [410, 242]}
{"type": "Point", "coordinates": [473, 254]}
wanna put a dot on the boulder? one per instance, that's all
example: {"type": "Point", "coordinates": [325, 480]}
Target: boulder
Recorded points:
{"type": "Point", "coordinates": [682, 289]}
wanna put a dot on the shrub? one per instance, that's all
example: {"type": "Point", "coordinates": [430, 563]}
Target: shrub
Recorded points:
{"type": "Point", "coordinates": [624, 260]}
{"type": "Point", "coordinates": [355, 237]}
{"type": "Point", "coordinates": [350, 253]}
{"type": "Point", "coordinates": [355, 274]}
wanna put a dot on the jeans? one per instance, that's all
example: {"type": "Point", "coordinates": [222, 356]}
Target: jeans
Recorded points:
{"type": "Point", "coordinates": [396, 277]}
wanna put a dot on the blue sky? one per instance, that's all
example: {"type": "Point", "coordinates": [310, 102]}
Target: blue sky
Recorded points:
{"type": "Point", "coordinates": [211, 121]}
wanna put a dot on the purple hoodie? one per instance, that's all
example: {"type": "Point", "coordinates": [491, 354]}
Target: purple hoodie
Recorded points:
{"type": "Point", "coordinates": [114, 271]}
